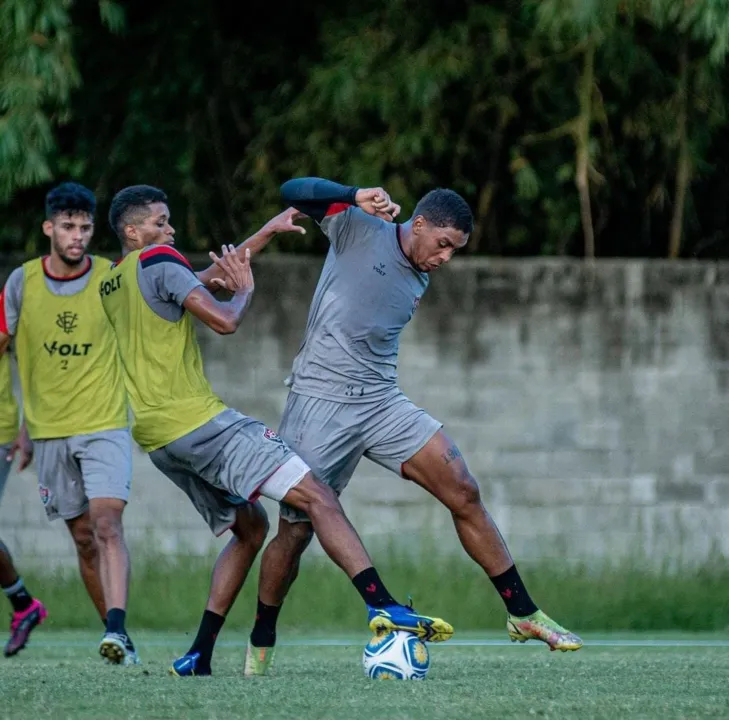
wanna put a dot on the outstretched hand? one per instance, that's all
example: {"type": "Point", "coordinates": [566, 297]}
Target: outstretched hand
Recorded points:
{"type": "Point", "coordinates": [284, 222]}
{"type": "Point", "coordinates": [237, 274]}
{"type": "Point", "coordinates": [375, 201]}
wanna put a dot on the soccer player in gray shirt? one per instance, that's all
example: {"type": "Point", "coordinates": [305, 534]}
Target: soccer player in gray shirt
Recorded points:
{"type": "Point", "coordinates": [344, 401]}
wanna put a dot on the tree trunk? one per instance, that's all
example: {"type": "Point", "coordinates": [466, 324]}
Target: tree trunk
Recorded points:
{"type": "Point", "coordinates": [486, 196]}
{"type": "Point", "coordinates": [683, 166]}
{"type": "Point", "coordinates": [582, 142]}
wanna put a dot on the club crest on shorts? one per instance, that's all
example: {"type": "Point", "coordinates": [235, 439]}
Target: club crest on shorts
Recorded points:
{"type": "Point", "coordinates": [272, 436]}
{"type": "Point", "coordinates": [45, 494]}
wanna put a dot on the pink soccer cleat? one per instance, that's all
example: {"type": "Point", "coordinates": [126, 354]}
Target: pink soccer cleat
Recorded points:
{"type": "Point", "coordinates": [22, 625]}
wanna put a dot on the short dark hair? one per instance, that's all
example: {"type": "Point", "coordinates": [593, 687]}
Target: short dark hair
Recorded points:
{"type": "Point", "coordinates": [70, 197]}
{"type": "Point", "coordinates": [128, 206]}
{"type": "Point", "coordinates": [445, 208]}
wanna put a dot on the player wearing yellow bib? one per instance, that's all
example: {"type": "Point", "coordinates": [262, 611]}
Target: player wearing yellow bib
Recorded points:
{"type": "Point", "coordinates": [28, 612]}
{"type": "Point", "coordinates": [74, 402]}
{"type": "Point", "coordinates": [221, 458]}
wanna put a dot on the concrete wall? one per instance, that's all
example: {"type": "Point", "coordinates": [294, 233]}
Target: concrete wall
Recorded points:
{"type": "Point", "coordinates": [590, 402]}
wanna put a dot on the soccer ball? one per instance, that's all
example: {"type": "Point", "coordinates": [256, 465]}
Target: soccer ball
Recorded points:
{"type": "Point", "coordinates": [396, 656]}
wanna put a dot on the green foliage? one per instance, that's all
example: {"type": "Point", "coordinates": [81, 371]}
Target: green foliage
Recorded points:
{"type": "Point", "coordinates": [37, 74]}
{"type": "Point", "coordinates": [627, 596]}
{"type": "Point", "coordinates": [513, 104]}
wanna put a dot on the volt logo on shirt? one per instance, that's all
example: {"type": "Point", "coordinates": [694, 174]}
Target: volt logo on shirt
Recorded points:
{"type": "Point", "coordinates": [66, 349]}
{"type": "Point", "coordinates": [109, 286]}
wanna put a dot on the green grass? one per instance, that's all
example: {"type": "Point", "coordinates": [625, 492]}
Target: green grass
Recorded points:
{"type": "Point", "coordinates": [60, 676]}
{"type": "Point", "coordinates": [168, 595]}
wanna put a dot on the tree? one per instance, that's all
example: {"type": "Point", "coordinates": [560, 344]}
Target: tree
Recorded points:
{"type": "Point", "coordinates": [37, 73]}
{"type": "Point", "coordinates": [698, 87]}
{"type": "Point", "coordinates": [583, 25]}
{"type": "Point", "coordinates": [571, 128]}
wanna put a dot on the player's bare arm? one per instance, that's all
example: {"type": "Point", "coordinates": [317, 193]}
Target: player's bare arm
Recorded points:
{"type": "Point", "coordinates": [314, 196]}
{"type": "Point", "coordinates": [4, 342]}
{"type": "Point", "coordinates": [23, 447]}
{"type": "Point", "coordinates": [237, 278]}
{"type": "Point", "coordinates": [283, 222]}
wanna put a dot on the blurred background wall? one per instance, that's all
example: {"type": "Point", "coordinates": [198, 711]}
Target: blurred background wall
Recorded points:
{"type": "Point", "coordinates": [591, 402]}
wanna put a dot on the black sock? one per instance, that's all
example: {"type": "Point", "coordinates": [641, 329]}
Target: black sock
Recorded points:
{"type": "Point", "coordinates": [513, 593]}
{"type": "Point", "coordinates": [207, 634]}
{"type": "Point", "coordinates": [115, 619]}
{"type": "Point", "coordinates": [19, 597]}
{"type": "Point", "coordinates": [106, 626]}
{"type": "Point", "coordinates": [264, 630]}
{"type": "Point", "coordinates": [372, 589]}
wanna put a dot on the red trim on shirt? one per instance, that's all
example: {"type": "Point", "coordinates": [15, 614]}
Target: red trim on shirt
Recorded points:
{"type": "Point", "coordinates": [118, 262]}
{"type": "Point", "coordinates": [3, 319]}
{"type": "Point", "coordinates": [165, 250]}
{"type": "Point", "coordinates": [336, 208]}
{"type": "Point", "coordinates": [65, 278]}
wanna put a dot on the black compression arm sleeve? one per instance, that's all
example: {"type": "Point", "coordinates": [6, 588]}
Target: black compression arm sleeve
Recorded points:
{"type": "Point", "coordinates": [313, 196]}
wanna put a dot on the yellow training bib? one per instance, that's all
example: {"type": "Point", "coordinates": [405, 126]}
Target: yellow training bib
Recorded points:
{"type": "Point", "coordinates": [161, 361]}
{"type": "Point", "coordinates": [67, 358]}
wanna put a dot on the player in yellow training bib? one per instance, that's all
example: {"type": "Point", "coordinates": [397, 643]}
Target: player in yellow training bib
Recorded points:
{"type": "Point", "coordinates": [221, 458]}
{"type": "Point", "coordinates": [74, 403]}
{"type": "Point", "coordinates": [28, 612]}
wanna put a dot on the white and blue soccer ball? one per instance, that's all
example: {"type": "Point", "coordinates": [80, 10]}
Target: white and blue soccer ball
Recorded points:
{"type": "Point", "coordinates": [396, 656]}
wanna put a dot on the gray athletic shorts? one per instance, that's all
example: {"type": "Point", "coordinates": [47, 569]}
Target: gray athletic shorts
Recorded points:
{"type": "Point", "coordinates": [74, 470]}
{"type": "Point", "coordinates": [228, 461]}
{"type": "Point", "coordinates": [4, 467]}
{"type": "Point", "coordinates": [331, 437]}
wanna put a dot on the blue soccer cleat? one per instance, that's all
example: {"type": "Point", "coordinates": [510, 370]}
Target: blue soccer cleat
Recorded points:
{"type": "Point", "coordinates": [189, 666]}
{"type": "Point", "coordinates": [400, 617]}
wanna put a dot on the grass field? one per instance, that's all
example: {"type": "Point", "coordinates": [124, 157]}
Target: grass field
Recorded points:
{"type": "Point", "coordinates": [619, 673]}
{"type": "Point", "coordinates": [478, 676]}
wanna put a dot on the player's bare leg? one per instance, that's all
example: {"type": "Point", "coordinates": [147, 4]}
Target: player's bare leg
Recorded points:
{"type": "Point", "coordinates": [340, 541]}
{"type": "Point", "coordinates": [235, 560]}
{"type": "Point", "coordinates": [88, 560]}
{"type": "Point", "coordinates": [279, 569]}
{"type": "Point", "coordinates": [28, 612]}
{"type": "Point", "coordinates": [281, 560]}
{"type": "Point", "coordinates": [335, 533]}
{"type": "Point", "coordinates": [440, 468]}
{"type": "Point", "coordinates": [230, 572]}
{"type": "Point", "coordinates": [106, 520]}
{"type": "Point", "coordinates": [8, 573]}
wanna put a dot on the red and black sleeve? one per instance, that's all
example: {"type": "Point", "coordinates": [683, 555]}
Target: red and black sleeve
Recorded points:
{"type": "Point", "coordinates": [163, 254]}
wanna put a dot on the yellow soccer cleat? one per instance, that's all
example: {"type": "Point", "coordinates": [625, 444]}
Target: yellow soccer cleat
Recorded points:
{"type": "Point", "coordinates": [258, 660]}
{"type": "Point", "coordinates": [539, 626]}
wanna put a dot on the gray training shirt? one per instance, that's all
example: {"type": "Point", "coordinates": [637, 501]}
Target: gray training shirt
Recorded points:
{"type": "Point", "coordinates": [367, 293]}
{"type": "Point", "coordinates": [165, 279]}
